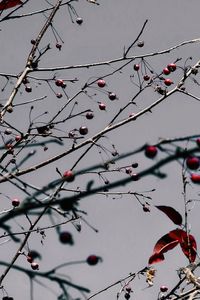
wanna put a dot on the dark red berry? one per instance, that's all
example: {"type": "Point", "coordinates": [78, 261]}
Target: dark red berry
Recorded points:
{"type": "Point", "coordinates": [101, 83]}
{"type": "Point", "coordinates": [89, 115]}
{"type": "Point", "coordinates": [68, 176]}
{"type": "Point", "coordinates": [135, 177]}
{"type": "Point", "coordinates": [34, 254]}
{"type": "Point", "coordinates": [15, 202]}
{"type": "Point", "coordinates": [114, 153]}
{"type": "Point", "coordinates": [140, 44]}
{"type": "Point", "coordinates": [102, 106]}
{"type": "Point", "coordinates": [65, 237]}
{"type": "Point", "coordinates": [29, 259]}
{"type": "Point", "coordinates": [79, 21]}
{"type": "Point", "coordinates": [128, 289]}
{"type": "Point", "coordinates": [33, 42]}
{"type": "Point", "coordinates": [59, 82]}
{"type": "Point", "coordinates": [127, 296]}
{"type": "Point", "coordinates": [25, 80]}
{"type": "Point", "coordinates": [198, 142]}
{"type": "Point", "coordinates": [83, 130]}
{"type": "Point", "coordinates": [8, 131]}
{"type": "Point", "coordinates": [35, 266]}
{"type": "Point", "coordinates": [134, 165]}
{"type": "Point", "coordinates": [59, 95]}
{"type": "Point", "coordinates": [166, 71]}
{"type": "Point", "coordinates": [145, 208]}
{"type": "Point", "coordinates": [63, 85]}
{"type": "Point", "coordinates": [146, 77]}
{"type": "Point", "coordinates": [192, 162]}
{"type": "Point", "coordinates": [17, 138]}
{"type": "Point", "coordinates": [171, 67]}
{"type": "Point", "coordinates": [58, 46]}
{"type": "Point", "coordinates": [136, 67]}
{"type": "Point", "coordinates": [128, 170]}
{"type": "Point", "coordinates": [195, 178]}
{"type": "Point", "coordinates": [163, 288]}
{"type": "Point", "coordinates": [112, 96]}
{"type": "Point", "coordinates": [28, 89]}
{"type": "Point", "coordinates": [151, 151]}
{"type": "Point", "coordinates": [168, 81]}
{"type": "Point", "coordinates": [92, 260]}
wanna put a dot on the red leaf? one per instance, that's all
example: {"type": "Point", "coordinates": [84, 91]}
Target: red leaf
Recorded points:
{"type": "Point", "coordinates": [5, 4]}
{"type": "Point", "coordinates": [164, 244]}
{"type": "Point", "coordinates": [156, 258]}
{"type": "Point", "coordinates": [187, 242]}
{"type": "Point", "coordinates": [171, 213]}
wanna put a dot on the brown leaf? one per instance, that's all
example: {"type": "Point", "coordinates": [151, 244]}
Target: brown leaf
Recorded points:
{"type": "Point", "coordinates": [173, 214]}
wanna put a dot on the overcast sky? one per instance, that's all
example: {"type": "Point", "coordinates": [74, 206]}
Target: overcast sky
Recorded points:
{"type": "Point", "coordinates": [126, 234]}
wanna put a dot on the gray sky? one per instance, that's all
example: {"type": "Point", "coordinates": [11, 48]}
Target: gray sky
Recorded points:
{"type": "Point", "coordinates": [126, 234]}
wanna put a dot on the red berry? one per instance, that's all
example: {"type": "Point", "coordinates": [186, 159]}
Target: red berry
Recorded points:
{"type": "Point", "coordinates": [18, 138]}
{"type": "Point", "coordinates": [65, 237]}
{"type": "Point", "coordinates": [83, 130]}
{"type": "Point", "coordinates": [15, 202]}
{"type": "Point", "coordinates": [59, 95]}
{"type": "Point", "coordinates": [168, 81]}
{"type": "Point", "coordinates": [79, 21]}
{"type": "Point", "coordinates": [163, 288]}
{"type": "Point", "coordinates": [35, 266]}
{"type": "Point", "coordinates": [198, 142]}
{"type": "Point", "coordinates": [101, 83]}
{"type": "Point", "coordinates": [146, 77]}
{"type": "Point", "coordinates": [102, 106]}
{"type": "Point", "coordinates": [136, 67]}
{"type": "Point", "coordinates": [128, 289]}
{"type": "Point", "coordinates": [33, 42]}
{"type": "Point", "coordinates": [28, 89]}
{"type": "Point", "coordinates": [195, 178]}
{"type": "Point", "coordinates": [112, 96]}
{"type": "Point", "coordinates": [89, 115]}
{"type": "Point", "coordinates": [59, 82]}
{"type": "Point", "coordinates": [58, 46]}
{"type": "Point", "coordinates": [146, 208]}
{"type": "Point", "coordinates": [135, 177]}
{"type": "Point", "coordinates": [8, 131]}
{"type": "Point", "coordinates": [68, 176]}
{"type": "Point", "coordinates": [29, 259]}
{"type": "Point", "coordinates": [92, 260]}
{"type": "Point", "coordinates": [128, 170]}
{"type": "Point", "coordinates": [63, 85]}
{"type": "Point", "coordinates": [192, 162]}
{"type": "Point", "coordinates": [171, 67]}
{"type": "Point", "coordinates": [140, 44]}
{"type": "Point", "coordinates": [127, 296]}
{"type": "Point", "coordinates": [25, 80]}
{"type": "Point", "coordinates": [134, 165]}
{"type": "Point", "coordinates": [151, 151]}
{"type": "Point", "coordinates": [34, 254]}
{"type": "Point", "coordinates": [166, 71]}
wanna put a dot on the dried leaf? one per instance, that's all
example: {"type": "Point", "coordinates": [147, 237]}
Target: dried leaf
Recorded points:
{"type": "Point", "coordinates": [150, 274]}
{"type": "Point", "coordinates": [171, 213]}
{"type": "Point", "coordinates": [5, 4]}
